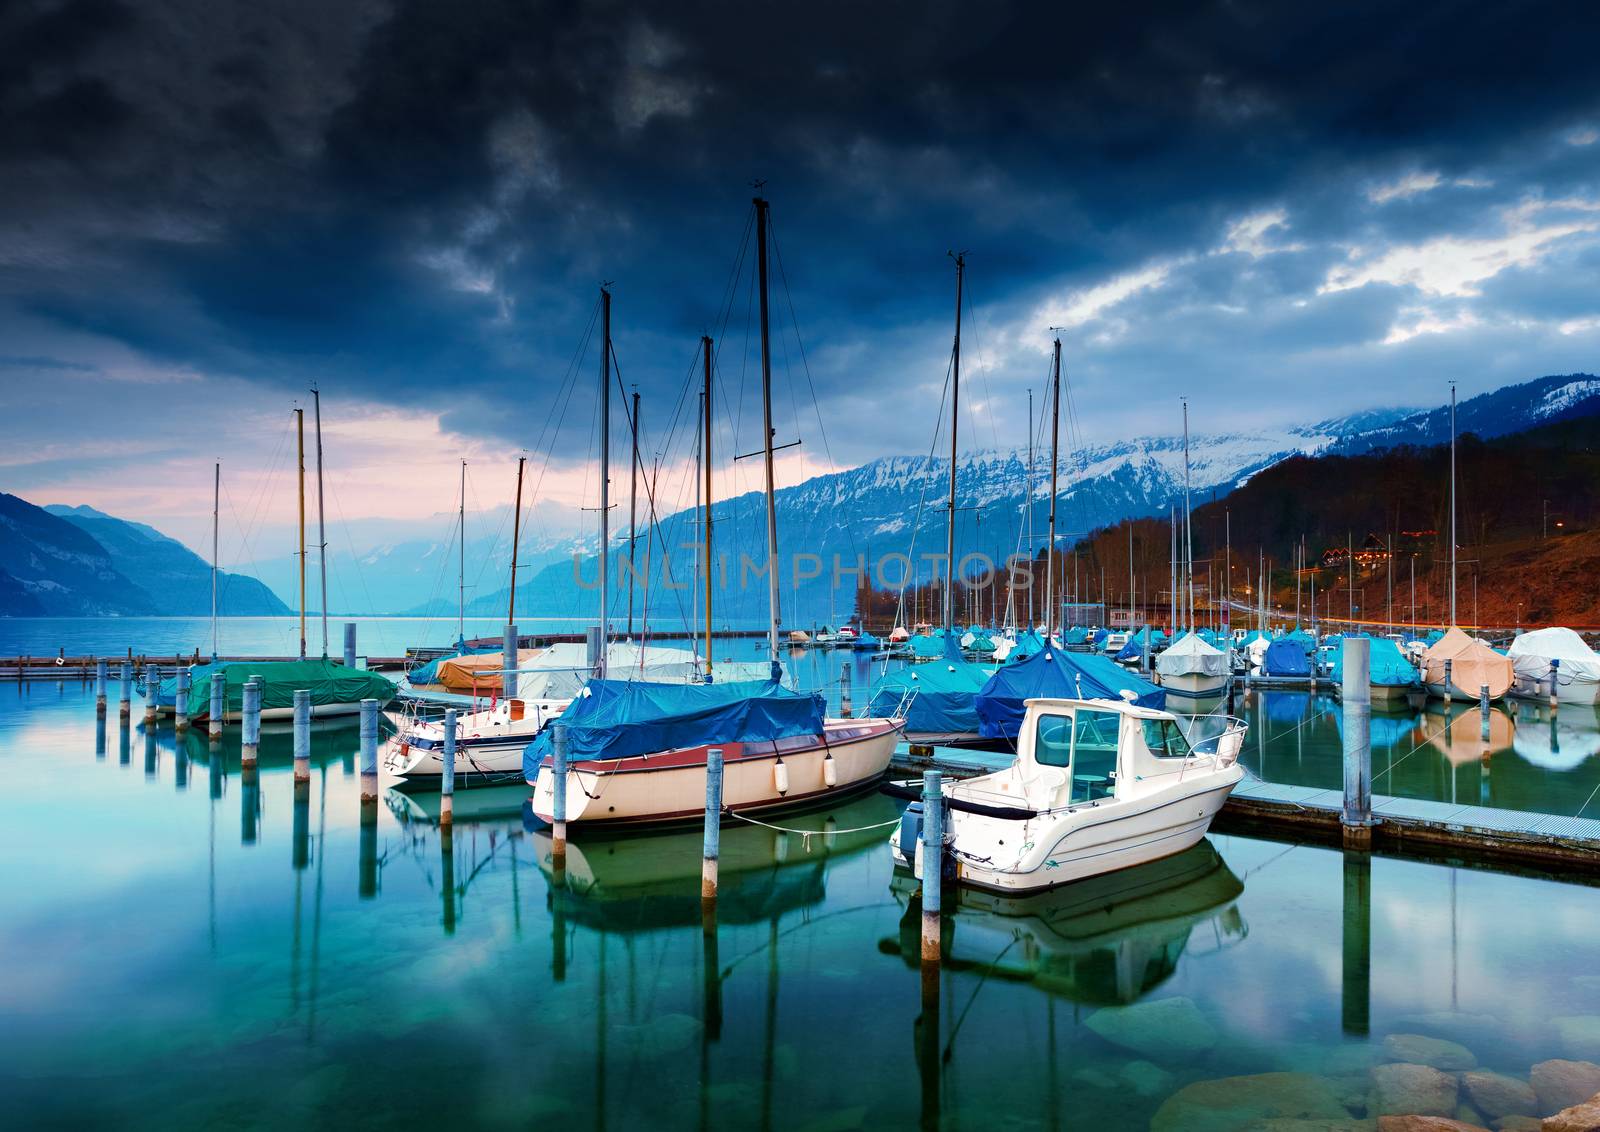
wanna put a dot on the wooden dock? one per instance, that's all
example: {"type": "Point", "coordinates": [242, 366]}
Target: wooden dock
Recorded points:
{"type": "Point", "coordinates": [1312, 814]}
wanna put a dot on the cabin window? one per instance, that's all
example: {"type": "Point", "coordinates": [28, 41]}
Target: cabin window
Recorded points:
{"type": "Point", "coordinates": [1094, 754]}
{"type": "Point", "coordinates": [1052, 740]}
{"type": "Point", "coordinates": [1164, 739]}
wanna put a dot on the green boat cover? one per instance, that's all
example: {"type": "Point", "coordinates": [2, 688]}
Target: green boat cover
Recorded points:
{"type": "Point", "coordinates": [329, 682]}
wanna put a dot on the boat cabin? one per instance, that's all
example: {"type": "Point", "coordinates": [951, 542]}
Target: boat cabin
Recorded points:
{"type": "Point", "coordinates": [1085, 752]}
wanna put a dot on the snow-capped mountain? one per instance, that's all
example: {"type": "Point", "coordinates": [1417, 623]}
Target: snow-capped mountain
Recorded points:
{"type": "Point", "coordinates": [1512, 408]}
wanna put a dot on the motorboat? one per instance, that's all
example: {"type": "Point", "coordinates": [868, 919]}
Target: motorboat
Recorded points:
{"type": "Point", "coordinates": [1097, 786]}
{"type": "Point", "coordinates": [636, 751]}
{"type": "Point", "coordinates": [1473, 666]}
{"type": "Point", "coordinates": [1555, 662]}
{"type": "Point", "coordinates": [1193, 669]}
{"type": "Point", "coordinates": [489, 743]}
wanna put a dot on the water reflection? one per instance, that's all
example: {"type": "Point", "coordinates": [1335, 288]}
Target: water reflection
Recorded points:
{"type": "Point", "coordinates": [1521, 756]}
{"type": "Point", "coordinates": [1104, 941]}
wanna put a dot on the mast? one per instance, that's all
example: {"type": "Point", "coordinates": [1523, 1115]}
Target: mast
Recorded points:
{"type": "Point", "coordinates": [1172, 565]}
{"type": "Point", "coordinates": [1452, 504]}
{"type": "Point", "coordinates": [1188, 519]}
{"type": "Point", "coordinates": [216, 495]}
{"type": "Point", "coordinates": [300, 448]}
{"type": "Point", "coordinates": [633, 506]}
{"type": "Point", "coordinates": [322, 529]}
{"type": "Point", "coordinates": [1055, 457]}
{"type": "Point", "coordinates": [516, 538]}
{"type": "Point", "coordinates": [605, 477]}
{"type": "Point", "coordinates": [461, 559]}
{"type": "Point", "coordinates": [1032, 550]}
{"type": "Point", "coordinates": [955, 417]}
{"type": "Point", "coordinates": [766, 443]}
{"type": "Point", "coordinates": [1350, 574]}
{"type": "Point", "coordinates": [1131, 614]}
{"type": "Point", "coordinates": [705, 459]}
{"type": "Point", "coordinates": [1227, 582]}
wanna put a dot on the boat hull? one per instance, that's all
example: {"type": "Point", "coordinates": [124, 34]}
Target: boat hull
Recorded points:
{"type": "Point", "coordinates": [1194, 686]}
{"type": "Point", "coordinates": [671, 786]}
{"type": "Point", "coordinates": [1585, 692]}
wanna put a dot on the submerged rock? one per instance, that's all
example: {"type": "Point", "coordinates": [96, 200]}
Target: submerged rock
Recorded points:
{"type": "Point", "coordinates": [1561, 1084]}
{"type": "Point", "coordinates": [1583, 1117]}
{"type": "Point", "coordinates": [1426, 1124]}
{"type": "Point", "coordinates": [1422, 1050]}
{"type": "Point", "coordinates": [1518, 1124]}
{"type": "Point", "coordinates": [1162, 1029]}
{"type": "Point", "coordinates": [1146, 1078]}
{"type": "Point", "coordinates": [1230, 1103]}
{"type": "Point", "coordinates": [1405, 1089]}
{"type": "Point", "coordinates": [1496, 1095]}
{"type": "Point", "coordinates": [1580, 1035]}
{"type": "Point", "coordinates": [1298, 1124]}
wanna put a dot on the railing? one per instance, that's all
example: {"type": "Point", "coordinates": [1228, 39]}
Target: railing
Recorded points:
{"type": "Point", "coordinates": [1214, 736]}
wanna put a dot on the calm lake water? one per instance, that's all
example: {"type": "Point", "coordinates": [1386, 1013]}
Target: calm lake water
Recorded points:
{"type": "Point", "coordinates": [183, 948]}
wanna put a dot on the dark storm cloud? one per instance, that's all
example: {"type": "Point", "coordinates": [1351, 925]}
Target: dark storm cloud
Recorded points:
{"type": "Point", "coordinates": [415, 201]}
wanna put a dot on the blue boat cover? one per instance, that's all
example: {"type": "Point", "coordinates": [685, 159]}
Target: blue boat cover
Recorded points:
{"type": "Point", "coordinates": [1055, 674]}
{"type": "Point", "coordinates": [1285, 658]}
{"type": "Point", "coordinates": [1076, 635]}
{"type": "Point", "coordinates": [1304, 639]}
{"type": "Point", "coordinates": [618, 719]}
{"type": "Point", "coordinates": [1134, 649]}
{"type": "Point", "coordinates": [429, 673]}
{"type": "Point", "coordinates": [1028, 644]}
{"type": "Point", "coordinates": [865, 641]}
{"type": "Point", "coordinates": [944, 701]}
{"type": "Point", "coordinates": [1390, 668]}
{"type": "Point", "coordinates": [927, 646]}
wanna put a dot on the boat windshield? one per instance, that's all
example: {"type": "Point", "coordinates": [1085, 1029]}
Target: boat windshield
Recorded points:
{"type": "Point", "coordinates": [1094, 754]}
{"type": "Point", "coordinates": [1165, 739]}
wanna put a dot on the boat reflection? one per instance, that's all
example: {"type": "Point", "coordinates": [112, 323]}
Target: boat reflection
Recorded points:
{"type": "Point", "coordinates": [630, 881]}
{"type": "Point", "coordinates": [1104, 941]}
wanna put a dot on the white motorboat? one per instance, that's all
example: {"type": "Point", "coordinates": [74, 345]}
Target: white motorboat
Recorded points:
{"type": "Point", "coordinates": [1557, 662]}
{"type": "Point", "coordinates": [488, 743]}
{"type": "Point", "coordinates": [1193, 669]}
{"type": "Point", "coordinates": [1097, 786]}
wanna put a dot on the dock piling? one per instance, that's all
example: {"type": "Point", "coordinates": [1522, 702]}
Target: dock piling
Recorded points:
{"type": "Point", "coordinates": [558, 798]}
{"type": "Point", "coordinates": [447, 778]}
{"type": "Point", "coordinates": [152, 694]}
{"type": "Point", "coordinates": [100, 685]}
{"type": "Point", "coordinates": [1483, 700]}
{"type": "Point", "coordinates": [180, 701]}
{"type": "Point", "coordinates": [99, 738]}
{"type": "Point", "coordinates": [1555, 669]}
{"type": "Point", "coordinates": [1449, 683]}
{"type": "Point", "coordinates": [219, 707]}
{"type": "Point", "coordinates": [932, 862]}
{"type": "Point", "coordinates": [369, 751]}
{"type": "Point", "coordinates": [349, 644]}
{"type": "Point", "coordinates": [124, 704]}
{"type": "Point", "coordinates": [508, 661]}
{"type": "Point", "coordinates": [1356, 697]}
{"type": "Point", "coordinates": [713, 832]}
{"type": "Point", "coordinates": [302, 735]}
{"type": "Point", "coordinates": [250, 737]}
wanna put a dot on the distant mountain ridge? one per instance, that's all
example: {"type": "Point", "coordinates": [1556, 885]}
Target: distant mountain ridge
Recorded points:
{"type": "Point", "coordinates": [1500, 412]}
{"type": "Point", "coordinates": [78, 562]}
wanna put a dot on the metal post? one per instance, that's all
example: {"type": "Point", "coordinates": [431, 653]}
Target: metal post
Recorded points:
{"type": "Point", "coordinates": [1483, 701]}
{"type": "Point", "coordinates": [447, 777]}
{"type": "Point", "coordinates": [1555, 669]}
{"type": "Point", "coordinates": [558, 798]}
{"type": "Point", "coordinates": [180, 701]}
{"type": "Point", "coordinates": [349, 644]}
{"type": "Point", "coordinates": [713, 834]}
{"type": "Point", "coordinates": [250, 740]}
{"type": "Point", "coordinates": [302, 735]}
{"type": "Point", "coordinates": [124, 702]}
{"type": "Point", "coordinates": [1449, 682]}
{"type": "Point", "coordinates": [1357, 699]}
{"type": "Point", "coordinates": [508, 661]}
{"type": "Point", "coordinates": [100, 685]}
{"type": "Point", "coordinates": [369, 751]}
{"type": "Point", "coordinates": [1356, 997]}
{"type": "Point", "coordinates": [219, 704]}
{"type": "Point", "coordinates": [592, 638]}
{"type": "Point", "coordinates": [300, 826]}
{"type": "Point", "coordinates": [152, 693]}
{"type": "Point", "coordinates": [99, 737]}
{"type": "Point", "coordinates": [932, 862]}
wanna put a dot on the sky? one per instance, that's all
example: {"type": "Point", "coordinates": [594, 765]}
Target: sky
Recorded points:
{"type": "Point", "coordinates": [1286, 213]}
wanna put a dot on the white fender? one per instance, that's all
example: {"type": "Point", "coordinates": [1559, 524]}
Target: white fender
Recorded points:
{"type": "Point", "coordinates": [830, 770]}
{"type": "Point", "coordinates": [780, 777]}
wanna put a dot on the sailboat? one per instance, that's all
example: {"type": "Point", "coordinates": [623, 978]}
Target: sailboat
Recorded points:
{"type": "Point", "coordinates": [1459, 667]}
{"type": "Point", "coordinates": [637, 750]}
{"type": "Point", "coordinates": [1191, 668]}
{"type": "Point", "coordinates": [335, 690]}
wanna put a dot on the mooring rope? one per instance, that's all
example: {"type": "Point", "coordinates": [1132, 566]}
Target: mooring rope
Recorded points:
{"type": "Point", "coordinates": [808, 834]}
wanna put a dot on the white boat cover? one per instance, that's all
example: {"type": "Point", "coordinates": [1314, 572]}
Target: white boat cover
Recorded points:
{"type": "Point", "coordinates": [562, 669]}
{"type": "Point", "coordinates": [1192, 656]}
{"type": "Point", "coordinates": [1531, 654]}
{"type": "Point", "coordinates": [1562, 744]}
{"type": "Point", "coordinates": [1472, 665]}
